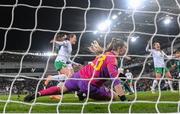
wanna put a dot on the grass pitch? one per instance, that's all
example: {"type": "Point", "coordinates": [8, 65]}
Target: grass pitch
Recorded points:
{"type": "Point", "coordinates": [145, 103]}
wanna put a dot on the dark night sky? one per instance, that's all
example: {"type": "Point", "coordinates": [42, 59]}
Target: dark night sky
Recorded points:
{"type": "Point", "coordinates": [47, 18]}
{"type": "Point", "coordinates": [72, 20]}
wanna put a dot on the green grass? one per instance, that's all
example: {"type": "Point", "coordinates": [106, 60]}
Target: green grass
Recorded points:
{"type": "Point", "coordinates": [95, 106]}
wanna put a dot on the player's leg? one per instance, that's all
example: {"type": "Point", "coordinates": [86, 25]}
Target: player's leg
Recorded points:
{"type": "Point", "coordinates": [62, 68]}
{"type": "Point", "coordinates": [168, 75]}
{"type": "Point", "coordinates": [54, 90]}
{"type": "Point", "coordinates": [165, 87]}
{"type": "Point", "coordinates": [78, 86]}
{"type": "Point", "coordinates": [158, 72]}
{"type": "Point", "coordinates": [57, 97]}
{"type": "Point", "coordinates": [179, 75]}
{"type": "Point", "coordinates": [155, 82]}
{"type": "Point", "coordinates": [70, 85]}
{"type": "Point", "coordinates": [124, 81]}
{"type": "Point", "coordinates": [47, 80]}
{"type": "Point", "coordinates": [59, 65]}
{"type": "Point", "coordinates": [179, 85]}
{"type": "Point", "coordinates": [61, 77]}
{"type": "Point", "coordinates": [67, 70]}
{"type": "Point", "coordinates": [131, 85]}
{"type": "Point", "coordinates": [126, 87]}
{"type": "Point", "coordinates": [71, 70]}
{"type": "Point", "coordinates": [97, 93]}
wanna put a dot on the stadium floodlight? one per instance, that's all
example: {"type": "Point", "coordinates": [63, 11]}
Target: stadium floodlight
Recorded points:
{"type": "Point", "coordinates": [49, 54]}
{"type": "Point", "coordinates": [119, 13]}
{"type": "Point", "coordinates": [101, 35]}
{"type": "Point", "coordinates": [114, 17]}
{"type": "Point", "coordinates": [167, 20]}
{"type": "Point", "coordinates": [103, 26]}
{"type": "Point", "coordinates": [134, 38]}
{"type": "Point", "coordinates": [134, 4]}
{"type": "Point", "coordinates": [95, 32]}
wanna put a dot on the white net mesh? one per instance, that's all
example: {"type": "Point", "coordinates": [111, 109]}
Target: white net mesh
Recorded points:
{"type": "Point", "coordinates": [26, 25]}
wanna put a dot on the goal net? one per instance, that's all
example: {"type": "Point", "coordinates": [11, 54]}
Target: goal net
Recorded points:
{"type": "Point", "coordinates": [27, 57]}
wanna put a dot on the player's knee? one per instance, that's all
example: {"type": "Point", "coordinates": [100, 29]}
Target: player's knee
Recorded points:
{"type": "Point", "coordinates": [65, 71]}
{"type": "Point", "coordinates": [49, 77]}
{"type": "Point", "coordinates": [158, 77]}
{"type": "Point", "coordinates": [169, 76]}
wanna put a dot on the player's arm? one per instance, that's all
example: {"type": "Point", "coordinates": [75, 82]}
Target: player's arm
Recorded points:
{"type": "Point", "coordinates": [113, 72]}
{"type": "Point", "coordinates": [168, 56]}
{"type": "Point", "coordinates": [127, 57]}
{"type": "Point", "coordinates": [69, 47]}
{"type": "Point", "coordinates": [59, 42]}
{"type": "Point", "coordinates": [173, 66]}
{"type": "Point", "coordinates": [147, 47]}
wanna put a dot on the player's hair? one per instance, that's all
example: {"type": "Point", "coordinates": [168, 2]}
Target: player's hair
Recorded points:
{"type": "Point", "coordinates": [60, 37]}
{"type": "Point", "coordinates": [177, 51]}
{"type": "Point", "coordinates": [113, 45]}
{"type": "Point", "coordinates": [70, 36]}
{"type": "Point", "coordinates": [155, 44]}
{"type": "Point", "coordinates": [95, 47]}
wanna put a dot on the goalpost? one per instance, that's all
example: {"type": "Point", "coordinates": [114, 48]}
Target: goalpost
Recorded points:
{"type": "Point", "coordinates": [104, 28]}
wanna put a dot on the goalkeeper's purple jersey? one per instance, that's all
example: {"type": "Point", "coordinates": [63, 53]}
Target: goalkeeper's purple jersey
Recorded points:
{"type": "Point", "coordinates": [103, 66]}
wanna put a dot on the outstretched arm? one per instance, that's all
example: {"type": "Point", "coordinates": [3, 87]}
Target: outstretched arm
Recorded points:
{"type": "Point", "coordinates": [113, 72]}
{"type": "Point", "coordinates": [59, 42]}
{"type": "Point", "coordinates": [168, 56]}
{"type": "Point", "coordinates": [147, 48]}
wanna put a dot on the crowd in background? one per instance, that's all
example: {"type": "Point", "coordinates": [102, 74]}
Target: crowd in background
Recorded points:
{"type": "Point", "coordinates": [29, 85]}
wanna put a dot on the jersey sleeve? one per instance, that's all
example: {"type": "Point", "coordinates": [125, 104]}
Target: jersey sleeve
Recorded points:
{"type": "Point", "coordinates": [148, 49]}
{"type": "Point", "coordinates": [168, 57]}
{"type": "Point", "coordinates": [151, 50]}
{"type": "Point", "coordinates": [113, 69]}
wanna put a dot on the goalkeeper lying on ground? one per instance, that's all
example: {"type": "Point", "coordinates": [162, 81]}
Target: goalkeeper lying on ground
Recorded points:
{"type": "Point", "coordinates": [103, 67]}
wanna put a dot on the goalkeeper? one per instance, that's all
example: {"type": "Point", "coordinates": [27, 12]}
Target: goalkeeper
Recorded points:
{"type": "Point", "coordinates": [102, 67]}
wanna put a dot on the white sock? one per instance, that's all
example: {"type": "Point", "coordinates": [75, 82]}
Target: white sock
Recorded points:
{"type": "Point", "coordinates": [170, 85]}
{"type": "Point", "coordinates": [75, 94]}
{"type": "Point", "coordinates": [155, 82]}
{"type": "Point", "coordinates": [132, 89]}
{"type": "Point", "coordinates": [179, 87]}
